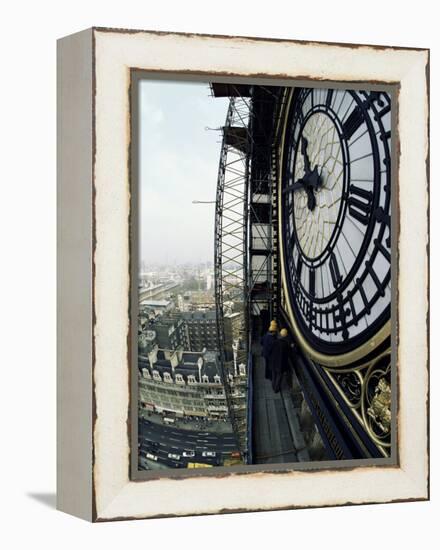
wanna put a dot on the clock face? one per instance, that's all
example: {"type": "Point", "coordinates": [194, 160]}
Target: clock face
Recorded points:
{"type": "Point", "coordinates": [335, 215]}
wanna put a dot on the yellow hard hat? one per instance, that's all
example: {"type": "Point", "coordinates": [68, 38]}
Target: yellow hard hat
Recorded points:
{"type": "Point", "coordinates": [283, 332]}
{"type": "Point", "coordinates": [273, 326]}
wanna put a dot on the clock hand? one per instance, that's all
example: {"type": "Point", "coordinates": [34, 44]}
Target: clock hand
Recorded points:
{"type": "Point", "coordinates": [311, 200]}
{"type": "Point", "coordinates": [304, 144]}
{"type": "Point", "coordinates": [314, 179]}
{"type": "Point", "coordinates": [299, 184]}
{"type": "Point", "coordinates": [311, 180]}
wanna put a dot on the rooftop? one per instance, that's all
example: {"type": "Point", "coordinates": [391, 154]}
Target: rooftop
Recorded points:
{"type": "Point", "coordinates": [159, 303]}
{"type": "Point", "coordinates": [187, 366]}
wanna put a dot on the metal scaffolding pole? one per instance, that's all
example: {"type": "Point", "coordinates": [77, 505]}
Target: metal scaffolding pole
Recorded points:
{"type": "Point", "coordinates": [231, 251]}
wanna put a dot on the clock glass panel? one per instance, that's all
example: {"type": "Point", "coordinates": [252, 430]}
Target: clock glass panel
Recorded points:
{"type": "Point", "coordinates": [336, 201]}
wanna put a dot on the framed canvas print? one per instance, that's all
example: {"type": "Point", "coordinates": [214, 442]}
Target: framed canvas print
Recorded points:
{"type": "Point", "coordinates": [243, 274]}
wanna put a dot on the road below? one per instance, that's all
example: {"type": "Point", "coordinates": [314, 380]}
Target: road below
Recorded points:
{"type": "Point", "coordinates": [161, 441]}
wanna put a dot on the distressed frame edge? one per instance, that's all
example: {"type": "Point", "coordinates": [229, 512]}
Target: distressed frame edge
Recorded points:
{"type": "Point", "coordinates": [422, 493]}
{"type": "Point", "coordinates": [252, 38]}
{"type": "Point", "coordinates": [74, 274]}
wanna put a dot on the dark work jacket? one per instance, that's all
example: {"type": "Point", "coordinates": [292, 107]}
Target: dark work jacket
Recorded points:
{"type": "Point", "coordinates": [280, 355]}
{"type": "Point", "coordinates": [268, 342]}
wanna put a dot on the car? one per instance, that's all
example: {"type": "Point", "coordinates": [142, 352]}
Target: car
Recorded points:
{"type": "Point", "coordinates": [189, 454]}
{"type": "Point", "coordinates": [151, 456]}
{"type": "Point", "coordinates": [173, 456]}
{"type": "Point", "coordinates": [209, 454]}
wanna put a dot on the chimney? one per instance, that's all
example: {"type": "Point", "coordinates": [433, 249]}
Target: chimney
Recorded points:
{"type": "Point", "coordinates": [152, 356]}
{"type": "Point", "coordinates": [200, 365]}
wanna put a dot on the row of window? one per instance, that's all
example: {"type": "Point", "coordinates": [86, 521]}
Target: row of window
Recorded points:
{"type": "Point", "coordinates": [187, 407]}
{"type": "Point", "coordinates": [178, 403]}
{"type": "Point", "coordinates": [159, 394]}
{"type": "Point", "coordinates": [170, 406]}
{"type": "Point", "coordinates": [163, 389]}
{"type": "Point", "coordinates": [200, 322]}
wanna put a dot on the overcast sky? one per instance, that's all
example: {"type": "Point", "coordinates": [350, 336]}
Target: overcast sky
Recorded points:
{"type": "Point", "coordinates": [178, 164]}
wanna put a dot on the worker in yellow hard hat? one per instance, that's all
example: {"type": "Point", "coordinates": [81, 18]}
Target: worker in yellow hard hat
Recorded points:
{"type": "Point", "coordinates": [281, 351]}
{"type": "Point", "coordinates": [267, 344]}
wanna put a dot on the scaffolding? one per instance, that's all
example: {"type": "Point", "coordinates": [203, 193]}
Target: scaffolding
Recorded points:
{"type": "Point", "coordinates": [263, 226]}
{"type": "Point", "coordinates": [231, 225]}
{"type": "Point", "coordinates": [245, 268]}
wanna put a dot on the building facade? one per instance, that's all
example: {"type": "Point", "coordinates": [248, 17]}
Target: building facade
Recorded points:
{"type": "Point", "coordinates": [171, 332]}
{"type": "Point", "coordinates": [202, 329]}
{"type": "Point", "coordinates": [185, 384]}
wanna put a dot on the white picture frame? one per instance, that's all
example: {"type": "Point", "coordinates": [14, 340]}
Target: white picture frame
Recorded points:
{"type": "Point", "coordinates": [94, 77]}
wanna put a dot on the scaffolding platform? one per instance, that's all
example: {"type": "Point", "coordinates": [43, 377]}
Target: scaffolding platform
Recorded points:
{"type": "Point", "coordinates": [277, 436]}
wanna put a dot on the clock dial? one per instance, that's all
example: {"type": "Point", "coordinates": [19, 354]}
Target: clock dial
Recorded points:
{"type": "Point", "coordinates": [335, 215]}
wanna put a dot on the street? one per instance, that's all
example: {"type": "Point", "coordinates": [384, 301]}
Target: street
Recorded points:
{"type": "Point", "coordinates": [160, 441]}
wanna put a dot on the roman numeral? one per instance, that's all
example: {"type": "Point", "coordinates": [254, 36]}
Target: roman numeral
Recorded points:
{"type": "Point", "coordinates": [359, 204]}
{"type": "Point", "coordinates": [312, 282]}
{"type": "Point", "coordinates": [291, 268]}
{"type": "Point", "coordinates": [343, 314]}
{"type": "Point", "coordinates": [363, 296]}
{"type": "Point", "coordinates": [375, 97]}
{"type": "Point", "coordinates": [384, 111]}
{"type": "Point", "coordinates": [299, 267]}
{"type": "Point", "coordinates": [324, 318]}
{"type": "Point", "coordinates": [383, 217]}
{"type": "Point", "coordinates": [334, 271]}
{"type": "Point", "coordinates": [352, 308]}
{"type": "Point", "coordinates": [373, 274]}
{"type": "Point", "coordinates": [311, 314]}
{"type": "Point", "coordinates": [335, 321]}
{"type": "Point", "coordinates": [385, 135]}
{"type": "Point", "coordinates": [353, 122]}
{"type": "Point", "coordinates": [384, 251]}
{"type": "Point", "coordinates": [329, 98]}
